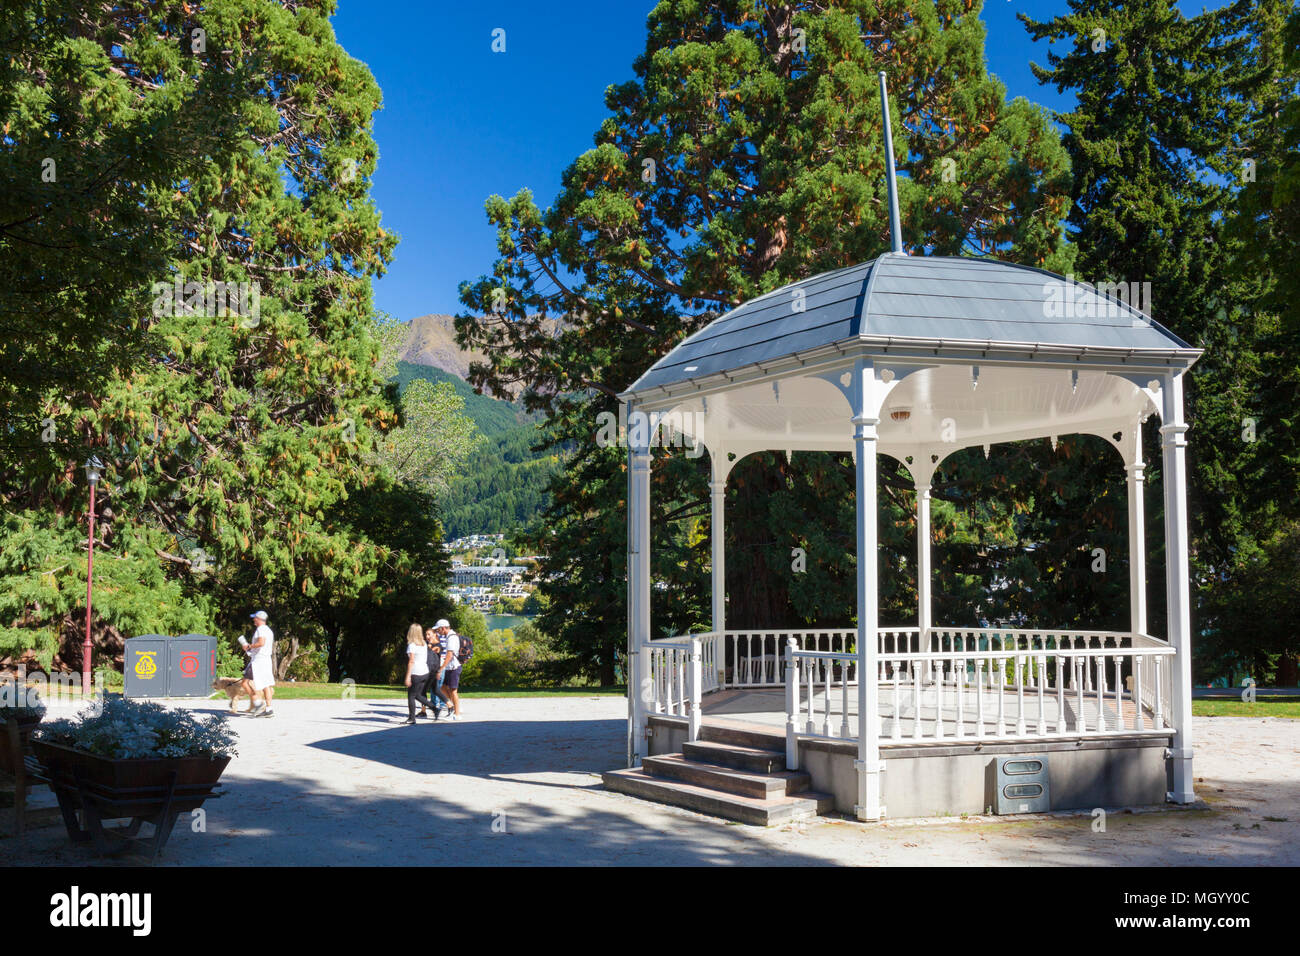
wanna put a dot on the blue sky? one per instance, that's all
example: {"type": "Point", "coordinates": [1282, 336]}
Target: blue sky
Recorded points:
{"type": "Point", "coordinates": [461, 122]}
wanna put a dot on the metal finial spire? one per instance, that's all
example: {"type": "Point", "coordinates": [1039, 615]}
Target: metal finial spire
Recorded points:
{"type": "Point", "coordinates": [895, 230]}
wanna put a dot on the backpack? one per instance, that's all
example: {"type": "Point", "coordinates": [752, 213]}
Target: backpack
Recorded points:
{"type": "Point", "coordinates": [434, 658]}
{"type": "Point", "coordinates": [466, 650]}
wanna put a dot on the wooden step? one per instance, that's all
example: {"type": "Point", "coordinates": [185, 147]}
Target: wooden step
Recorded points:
{"type": "Point", "coordinates": [776, 810]}
{"type": "Point", "coordinates": [734, 755]}
{"type": "Point", "coordinates": [757, 739]}
{"type": "Point", "coordinates": [728, 779]}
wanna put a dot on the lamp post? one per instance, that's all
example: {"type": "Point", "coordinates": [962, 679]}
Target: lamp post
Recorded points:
{"type": "Point", "coordinates": [94, 468]}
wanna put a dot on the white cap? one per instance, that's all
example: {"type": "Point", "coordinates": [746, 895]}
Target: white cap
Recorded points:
{"type": "Point", "coordinates": [257, 614]}
{"type": "Point", "coordinates": [442, 622]}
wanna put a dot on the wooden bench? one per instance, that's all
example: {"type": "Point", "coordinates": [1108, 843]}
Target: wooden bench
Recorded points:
{"type": "Point", "coordinates": [17, 762]}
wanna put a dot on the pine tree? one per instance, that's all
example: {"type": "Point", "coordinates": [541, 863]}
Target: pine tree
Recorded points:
{"type": "Point", "coordinates": [1169, 110]}
{"type": "Point", "coordinates": [248, 413]}
{"type": "Point", "coordinates": [746, 153]}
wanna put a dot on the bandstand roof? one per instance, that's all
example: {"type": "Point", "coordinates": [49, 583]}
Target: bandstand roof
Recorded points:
{"type": "Point", "coordinates": [761, 375]}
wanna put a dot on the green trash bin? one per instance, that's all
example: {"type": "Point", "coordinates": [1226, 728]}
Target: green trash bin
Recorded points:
{"type": "Point", "coordinates": [145, 666]}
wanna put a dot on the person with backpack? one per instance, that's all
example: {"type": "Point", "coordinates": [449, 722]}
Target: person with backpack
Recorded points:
{"type": "Point", "coordinates": [434, 644]}
{"type": "Point", "coordinates": [457, 651]}
{"type": "Point", "coordinates": [417, 671]}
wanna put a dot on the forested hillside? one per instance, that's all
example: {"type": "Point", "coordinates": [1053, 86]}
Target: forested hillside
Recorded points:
{"type": "Point", "coordinates": [503, 483]}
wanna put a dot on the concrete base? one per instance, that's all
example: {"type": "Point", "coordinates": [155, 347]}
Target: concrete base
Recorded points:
{"type": "Point", "coordinates": [948, 781]}
{"type": "Point", "coordinates": [952, 779]}
{"type": "Point", "coordinates": [668, 735]}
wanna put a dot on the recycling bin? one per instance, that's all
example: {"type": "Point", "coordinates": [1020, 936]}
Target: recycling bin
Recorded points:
{"type": "Point", "coordinates": [191, 663]}
{"type": "Point", "coordinates": [145, 666]}
{"type": "Point", "coordinates": [159, 665]}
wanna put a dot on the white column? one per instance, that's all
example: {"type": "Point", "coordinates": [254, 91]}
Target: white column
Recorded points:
{"type": "Point", "coordinates": [1137, 549]}
{"type": "Point", "coordinates": [923, 621]}
{"type": "Point", "coordinates": [695, 679]}
{"type": "Point", "coordinates": [638, 574]}
{"type": "Point", "coordinates": [791, 705]}
{"type": "Point", "coordinates": [718, 496]}
{"type": "Point", "coordinates": [868, 765]}
{"type": "Point", "coordinates": [1178, 583]}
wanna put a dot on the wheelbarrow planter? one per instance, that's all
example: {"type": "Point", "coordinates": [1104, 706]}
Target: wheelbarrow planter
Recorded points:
{"type": "Point", "coordinates": [143, 790]}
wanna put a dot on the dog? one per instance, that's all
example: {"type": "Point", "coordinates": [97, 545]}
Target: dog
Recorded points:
{"type": "Point", "coordinates": [234, 687]}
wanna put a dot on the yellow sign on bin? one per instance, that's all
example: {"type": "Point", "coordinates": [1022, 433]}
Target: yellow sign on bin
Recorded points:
{"type": "Point", "coordinates": [145, 668]}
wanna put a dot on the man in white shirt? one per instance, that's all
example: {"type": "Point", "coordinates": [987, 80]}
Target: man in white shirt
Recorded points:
{"type": "Point", "coordinates": [260, 650]}
{"type": "Point", "coordinates": [450, 666]}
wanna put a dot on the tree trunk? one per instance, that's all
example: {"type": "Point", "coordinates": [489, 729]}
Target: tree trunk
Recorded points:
{"type": "Point", "coordinates": [333, 665]}
{"type": "Point", "coordinates": [286, 660]}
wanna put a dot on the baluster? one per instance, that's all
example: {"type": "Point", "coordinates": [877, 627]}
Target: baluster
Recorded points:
{"type": "Point", "coordinates": [1119, 693]}
{"type": "Point", "coordinates": [895, 730]}
{"type": "Point", "coordinates": [1080, 725]}
{"type": "Point", "coordinates": [680, 703]}
{"type": "Point", "coordinates": [1042, 706]}
{"type": "Point", "coordinates": [917, 670]}
{"type": "Point", "coordinates": [668, 680]}
{"type": "Point", "coordinates": [1061, 726]}
{"type": "Point", "coordinates": [1002, 694]}
{"type": "Point", "coordinates": [826, 683]}
{"type": "Point", "coordinates": [666, 668]}
{"type": "Point", "coordinates": [938, 698]}
{"type": "Point", "coordinates": [959, 681]}
{"type": "Point", "coordinates": [1139, 663]}
{"type": "Point", "coordinates": [844, 696]}
{"type": "Point", "coordinates": [1158, 720]}
{"type": "Point", "coordinates": [1101, 694]}
{"type": "Point", "coordinates": [1020, 697]}
{"type": "Point", "coordinates": [979, 696]}
{"type": "Point", "coordinates": [811, 725]}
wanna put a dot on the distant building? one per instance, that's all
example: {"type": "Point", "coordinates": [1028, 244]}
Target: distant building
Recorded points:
{"type": "Point", "coordinates": [485, 575]}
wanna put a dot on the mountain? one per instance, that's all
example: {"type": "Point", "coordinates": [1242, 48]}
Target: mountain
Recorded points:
{"type": "Point", "coordinates": [492, 416]}
{"type": "Point", "coordinates": [504, 481]}
{"type": "Point", "coordinates": [432, 341]}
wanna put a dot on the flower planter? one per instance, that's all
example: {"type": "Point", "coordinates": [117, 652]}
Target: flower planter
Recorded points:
{"type": "Point", "coordinates": [145, 790]}
{"type": "Point", "coordinates": [132, 783]}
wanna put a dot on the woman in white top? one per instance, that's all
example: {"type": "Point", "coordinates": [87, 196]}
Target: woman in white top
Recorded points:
{"type": "Point", "coordinates": [417, 670]}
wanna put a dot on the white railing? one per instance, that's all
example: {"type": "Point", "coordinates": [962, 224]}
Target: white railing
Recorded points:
{"type": "Point", "coordinates": [1152, 679]}
{"type": "Point", "coordinates": [755, 658]}
{"type": "Point", "coordinates": [1004, 684]}
{"type": "Point", "coordinates": [674, 679]}
{"type": "Point", "coordinates": [951, 684]}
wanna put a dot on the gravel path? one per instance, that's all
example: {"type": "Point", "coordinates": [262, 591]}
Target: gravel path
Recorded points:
{"type": "Point", "coordinates": [344, 782]}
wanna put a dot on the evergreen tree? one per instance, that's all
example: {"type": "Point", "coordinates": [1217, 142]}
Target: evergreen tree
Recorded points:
{"type": "Point", "coordinates": [1169, 108]}
{"type": "Point", "coordinates": [242, 426]}
{"type": "Point", "coordinates": [747, 153]}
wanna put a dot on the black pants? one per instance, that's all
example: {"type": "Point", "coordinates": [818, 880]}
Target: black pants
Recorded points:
{"type": "Point", "coordinates": [417, 692]}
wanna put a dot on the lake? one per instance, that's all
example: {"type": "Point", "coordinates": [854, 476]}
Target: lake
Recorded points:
{"type": "Point", "coordinates": [501, 622]}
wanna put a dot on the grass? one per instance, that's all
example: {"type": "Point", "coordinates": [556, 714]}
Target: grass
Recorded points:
{"type": "Point", "coordinates": [1262, 707]}
{"type": "Point", "coordinates": [300, 690]}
